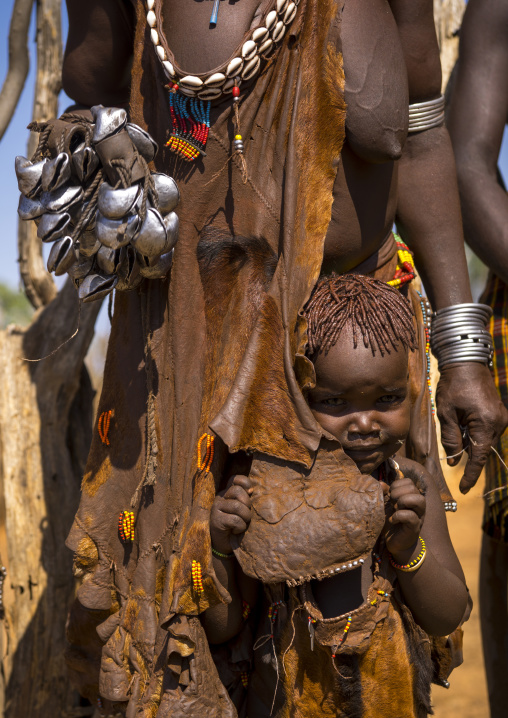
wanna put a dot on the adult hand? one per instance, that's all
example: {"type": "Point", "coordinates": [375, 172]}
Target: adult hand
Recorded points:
{"type": "Point", "coordinates": [472, 416]}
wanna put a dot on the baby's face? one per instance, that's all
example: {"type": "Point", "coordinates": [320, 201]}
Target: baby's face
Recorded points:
{"type": "Point", "coordinates": [362, 400]}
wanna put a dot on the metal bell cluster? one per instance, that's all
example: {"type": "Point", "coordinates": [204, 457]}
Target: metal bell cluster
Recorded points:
{"type": "Point", "coordinates": [113, 239]}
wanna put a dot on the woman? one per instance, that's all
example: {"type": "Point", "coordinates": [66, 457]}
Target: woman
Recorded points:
{"type": "Point", "coordinates": [311, 187]}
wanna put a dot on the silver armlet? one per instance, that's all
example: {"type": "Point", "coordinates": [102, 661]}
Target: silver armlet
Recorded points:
{"type": "Point", "coordinates": [459, 334]}
{"type": "Point", "coordinates": [424, 115]}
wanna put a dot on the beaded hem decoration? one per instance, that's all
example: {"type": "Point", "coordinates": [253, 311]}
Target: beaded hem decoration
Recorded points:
{"type": "Point", "coordinates": [292, 582]}
{"type": "Point", "coordinates": [197, 577]}
{"type": "Point", "coordinates": [405, 271]}
{"type": "Point", "coordinates": [204, 463]}
{"type": "Point", "coordinates": [190, 96]}
{"type": "Point", "coordinates": [126, 526]}
{"type": "Point", "coordinates": [103, 425]}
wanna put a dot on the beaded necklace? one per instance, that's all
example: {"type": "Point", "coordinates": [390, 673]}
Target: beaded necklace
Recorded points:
{"type": "Point", "coordinates": [190, 96]}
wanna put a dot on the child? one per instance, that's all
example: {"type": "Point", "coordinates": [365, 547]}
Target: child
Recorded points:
{"type": "Point", "coordinates": [356, 575]}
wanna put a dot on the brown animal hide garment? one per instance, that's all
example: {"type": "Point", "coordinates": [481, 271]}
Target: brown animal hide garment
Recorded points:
{"type": "Point", "coordinates": [216, 348]}
{"type": "Point", "coordinates": [372, 662]}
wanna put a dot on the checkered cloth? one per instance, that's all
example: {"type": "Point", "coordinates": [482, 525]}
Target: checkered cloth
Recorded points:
{"type": "Point", "coordinates": [495, 519]}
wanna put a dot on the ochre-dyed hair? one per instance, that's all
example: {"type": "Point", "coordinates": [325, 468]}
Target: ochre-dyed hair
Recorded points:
{"type": "Point", "coordinates": [373, 309]}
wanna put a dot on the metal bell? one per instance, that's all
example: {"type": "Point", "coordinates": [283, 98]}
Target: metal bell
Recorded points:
{"type": "Point", "coordinates": [29, 175]}
{"type": "Point", "coordinates": [145, 144]}
{"type": "Point", "coordinates": [167, 192]}
{"type": "Point", "coordinates": [171, 223]}
{"type": "Point", "coordinates": [81, 269]}
{"type": "Point", "coordinates": [56, 172]}
{"type": "Point", "coordinates": [108, 259]}
{"type": "Point", "coordinates": [62, 256]}
{"type": "Point", "coordinates": [89, 245]}
{"type": "Point", "coordinates": [61, 199]}
{"type": "Point", "coordinates": [84, 162]}
{"type": "Point", "coordinates": [152, 236]}
{"type": "Point", "coordinates": [159, 269]}
{"type": "Point", "coordinates": [129, 276]}
{"type": "Point", "coordinates": [117, 203]}
{"type": "Point", "coordinates": [53, 226]}
{"type": "Point", "coordinates": [95, 286]}
{"type": "Point", "coordinates": [115, 233]}
{"type": "Point", "coordinates": [108, 121]}
{"type": "Point", "coordinates": [29, 208]}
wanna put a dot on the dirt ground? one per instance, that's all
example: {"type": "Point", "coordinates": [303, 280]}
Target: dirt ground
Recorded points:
{"type": "Point", "coordinates": [467, 695]}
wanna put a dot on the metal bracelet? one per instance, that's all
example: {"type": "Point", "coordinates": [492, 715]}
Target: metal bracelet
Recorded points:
{"type": "Point", "coordinates": [425, 115]}
{"type": "Point", "coordinates": [459, 334]}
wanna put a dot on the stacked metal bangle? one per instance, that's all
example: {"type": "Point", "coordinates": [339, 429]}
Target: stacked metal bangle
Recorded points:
{"type": "Point", "coordinates": [459, 334]}
{"type": "Point", "coordinates": [424, 115]}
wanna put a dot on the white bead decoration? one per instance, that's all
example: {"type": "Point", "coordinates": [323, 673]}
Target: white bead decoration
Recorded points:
{"type": "Point", "coordinates": [155, 36]}
{"type": "Point", "coordinates": [161, 52]}
{"type": "Point", "coordinates": [150, 4]}
{"type": "Point", "coordinates": [151, 19]}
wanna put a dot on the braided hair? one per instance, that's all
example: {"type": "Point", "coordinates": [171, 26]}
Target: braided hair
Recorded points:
{"type": "Point", "coordinates": [377, 311]}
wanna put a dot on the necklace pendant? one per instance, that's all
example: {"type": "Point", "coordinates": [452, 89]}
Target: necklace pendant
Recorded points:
{"type": "Point", "coordinates": [215, 12]}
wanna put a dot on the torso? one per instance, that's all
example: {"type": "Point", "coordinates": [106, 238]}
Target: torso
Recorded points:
{"type": "Point", "coordinates": [376, 93]}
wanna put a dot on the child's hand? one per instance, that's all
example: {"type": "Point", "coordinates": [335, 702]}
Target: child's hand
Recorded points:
{"type": "Point", "coordinates": [406, 511]}
{"type": "Point", "coordinates": [231, 513]}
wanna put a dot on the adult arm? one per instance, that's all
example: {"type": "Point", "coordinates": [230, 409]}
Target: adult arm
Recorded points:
{"type": "Point", "coordinates": [477, 117]}
{"type": "Point", "coordinates": [428, 216]}
{"type": "Point", "coordinates": [98, 54]}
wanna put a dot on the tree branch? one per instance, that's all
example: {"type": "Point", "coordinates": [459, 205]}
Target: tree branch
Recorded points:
{"type": "Point", "coordinates": [19, 62]}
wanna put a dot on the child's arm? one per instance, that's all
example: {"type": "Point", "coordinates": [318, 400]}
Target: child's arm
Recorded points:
{"type": "Point", "coordinates": [230, 515]}
{"type": "Point", "coordinates": [436, 592]}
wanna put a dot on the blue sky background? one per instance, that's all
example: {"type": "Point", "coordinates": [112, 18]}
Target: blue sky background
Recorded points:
{"type": "Point", "coordinates": [15, 140]}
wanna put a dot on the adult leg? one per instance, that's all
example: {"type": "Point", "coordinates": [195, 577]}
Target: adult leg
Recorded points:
{"type": "Point", "coordinates": [494, 621]}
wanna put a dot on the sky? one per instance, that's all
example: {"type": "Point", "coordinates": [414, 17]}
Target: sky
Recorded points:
{"type": "Point", "coordinates": [15, 140]}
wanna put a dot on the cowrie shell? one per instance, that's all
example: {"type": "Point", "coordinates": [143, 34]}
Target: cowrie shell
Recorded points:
{"type": "Point", "coordinates": [151, 19]}
{"type": "Point", "coordinates": [191, 81]}
{"type": "Point", "coordinates": [211, 93]}
{"type": "Point", "coordinates": [155, 36]}
{"type": "Point", "coordinates": [290, 13]}
{"type": "Point", "coordinates": [170, 70]}
{"type": "Point", "coordinates": [278, 32]}
{"type": "Point", "coordinates": [281, 6]}
{"type": "Point", "coordinates": [215, 80]}
{"type": "Point", "coordinates": [251, 68]}
{"type": "Point", "coordinates": [249, 49]}
{"type": "Point", "coordinates": [260, 34]}
{"type": "Point", "coordinates": [266, 46]}
{"type": "Point", "coordinates": [271, 19]}
{"type": "Point", "coordinates": [187, 91]}
{"type": "Point", "coordinates": [150, 4]}
{"type": "Point", "coordinates": [234, 67]}
{"type": "Point", "coordinates": [161, 52]}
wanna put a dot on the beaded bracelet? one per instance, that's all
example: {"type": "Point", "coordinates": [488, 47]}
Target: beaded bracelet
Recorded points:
{"type": "Point", "coordinates": [222, 555]}
{"type": "Point", "coordinates": [416, 563]}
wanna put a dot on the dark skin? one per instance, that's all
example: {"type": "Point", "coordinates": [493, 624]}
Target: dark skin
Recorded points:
{"type": "Point", "coordinates": [391, 58]}
{"type": "Point", "coordinates": [477, 118]}
{"type": "Point", "coordinates": [363, 401]}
